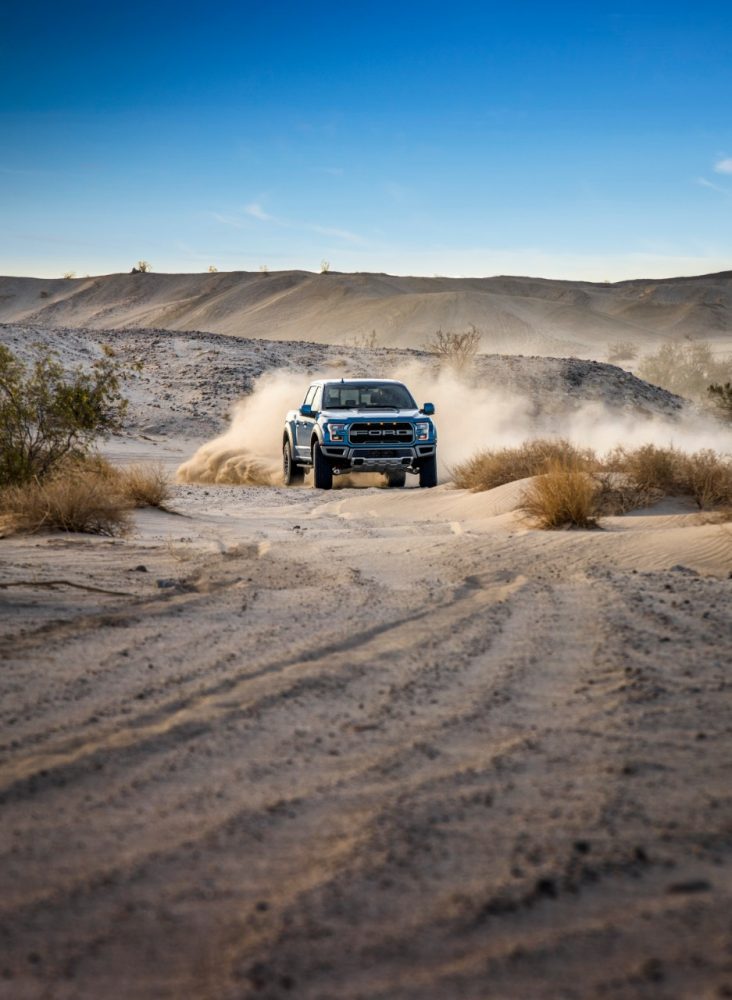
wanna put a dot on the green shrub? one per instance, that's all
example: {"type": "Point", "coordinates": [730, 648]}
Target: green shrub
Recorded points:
{"type": "Point", "coordinates": [685, 368]}
{"type": "Point", "coordinates": [48, 414]}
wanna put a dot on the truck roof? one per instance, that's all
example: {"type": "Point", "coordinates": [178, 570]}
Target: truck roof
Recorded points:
{"type": "Point", "coordinates": [355, 381]}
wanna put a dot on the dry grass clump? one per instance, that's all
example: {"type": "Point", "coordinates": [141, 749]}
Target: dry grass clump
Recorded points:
{"type": "Point", "coordinates": [85, 494]}
{"type": "Point", "coordinates": [564, 495]}
{"type": "Point", "coordinates": [650, 467]}
{"type": "Point", "coordinates": [703, 475]}
{"type": "Point", "coordinates": [145, 485]}
{"type": "Point", "coordinates": [488, 469]}
{"type": "Point", "coordinates": [63, 502]}
{"type": "Point", "coordinates": [574, 487]}
{"type": "Point", "coordinates": [707, 477]}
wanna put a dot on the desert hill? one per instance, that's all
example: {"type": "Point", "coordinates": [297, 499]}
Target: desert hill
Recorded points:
{"type": "Point", "coordinates": [516, 314]}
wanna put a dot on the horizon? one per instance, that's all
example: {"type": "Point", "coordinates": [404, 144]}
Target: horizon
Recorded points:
{"type": "Point", "coordinates": [568, 144]}
{"type": "Point", "coordinates": [334, 272]}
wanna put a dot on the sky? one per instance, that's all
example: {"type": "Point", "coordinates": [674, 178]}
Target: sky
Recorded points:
{"type": "Point", "coordinates": [465, 139]}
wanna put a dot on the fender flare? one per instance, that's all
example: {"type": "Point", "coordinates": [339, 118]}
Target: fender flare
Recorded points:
{"type": "Point", "coordinates": [287, 435]}
{"type": "Point", "coordinates": [316, 435]}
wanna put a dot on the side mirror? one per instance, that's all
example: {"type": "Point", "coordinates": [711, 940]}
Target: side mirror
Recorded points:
{"type": "Point", "coordinates": [428, 409]}
{"type": "Point", "coordinates": [306, 410]}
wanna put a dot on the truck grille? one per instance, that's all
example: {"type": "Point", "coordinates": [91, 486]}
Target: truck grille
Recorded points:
{"type": "Point", "coordinates": [381, 432]}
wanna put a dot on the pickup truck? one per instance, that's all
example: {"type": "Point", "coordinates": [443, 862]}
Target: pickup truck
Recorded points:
{"type": "Point", "coordinates": [359, 425]}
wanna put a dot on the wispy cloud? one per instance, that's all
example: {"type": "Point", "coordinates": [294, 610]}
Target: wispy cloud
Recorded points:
{"type": "Point", "coordinates": [723, 166]}
{"type": "Point", "coordinates": [239, 219]}
{"type": "Point", "coordinates": [227, 220]}
{"type": "Point", "coordinates": [255, 209]}
{"type": "Point", "coordinates": [703, 182]}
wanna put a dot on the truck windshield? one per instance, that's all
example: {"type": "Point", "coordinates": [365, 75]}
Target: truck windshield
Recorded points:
{"type": "Point", "coordinates": [369, 396]}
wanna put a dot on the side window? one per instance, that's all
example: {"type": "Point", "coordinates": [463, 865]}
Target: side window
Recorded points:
{"type": "Point", "coordinates": [317, 402]}
{"type": "Point", "coordinates": [309, 395]}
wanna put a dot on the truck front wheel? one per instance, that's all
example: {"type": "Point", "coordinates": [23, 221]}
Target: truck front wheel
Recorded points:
{"type": "Point", "coordinates": [397, 478]}
{"type": "Point", "coordinates": [291, 473]}
{"type": "Point", "coordinates": [428, 472]}
{"type": "Point", "coordinates": [322, 472]}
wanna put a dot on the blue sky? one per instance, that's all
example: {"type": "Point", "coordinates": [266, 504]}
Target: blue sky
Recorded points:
{"type": "Point", "coordinates": [423, 138]}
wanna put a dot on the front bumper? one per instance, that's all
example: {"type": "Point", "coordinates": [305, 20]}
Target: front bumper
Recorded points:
{"type": "Point", "coordinates": [377, 459]}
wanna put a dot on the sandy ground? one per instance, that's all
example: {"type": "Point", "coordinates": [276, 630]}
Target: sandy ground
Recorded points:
{"type": "Point", "coordinates": [376, 744]}
{"type": "Point", "coordinates": [367, 744]}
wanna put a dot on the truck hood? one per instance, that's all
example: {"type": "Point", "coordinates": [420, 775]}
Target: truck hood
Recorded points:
{"type": "Point", "coordinates": [364, 414]}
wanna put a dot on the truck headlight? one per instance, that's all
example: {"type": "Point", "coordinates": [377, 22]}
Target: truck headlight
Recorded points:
{"type": "Point", "coordinates": [422, 430]}
{"type": "Point", "coordinates": [336, 432]}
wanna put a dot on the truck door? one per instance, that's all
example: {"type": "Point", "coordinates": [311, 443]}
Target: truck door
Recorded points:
{"type": "Point", "coordinates": [304, 426]}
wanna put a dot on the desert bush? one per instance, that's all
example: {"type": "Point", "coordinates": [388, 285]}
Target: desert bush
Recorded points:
{"type": "Point", "coordinates": [263, 269]}
{"type": "Point", "coordinates": [707, 477]}
{"type": "Point", "coordinates": [142, 267]}
{"type": "Point", "coordinates": [144, 485]}
{"type": "Point", "coordinates": [491, 468]}
{"type": "Point", "coordinates": [212, 269]}
{"type": "Point", "coordinates": [685, 368]}
{"type": "Point", "coordinates": [721, 398]}
{"type": "Point", "coordinates": [66, 500]}
{"type": "Point", "coordinates": [47, 413]}
{"type": "Point", "coordinates": [649, 466]}
{"type": "Point", "coordinates": [44, 293]}
{"type": "Point", "coordinates": [618, 493]}
{"type": "Point", "coordinates": [573, 486]}
{"type": "Point", "coordinates": [69, 275]}
{"type": "Point", "coordinates": [324, 266]}
{"type": "Point", "coordinates": [367, 341]}
{"type": "Point", "coordinates": [456, 349]}
{"type": "Point", "coordinates": [564, 495]}
{"type": "Point", "coordinates": [621, 350]}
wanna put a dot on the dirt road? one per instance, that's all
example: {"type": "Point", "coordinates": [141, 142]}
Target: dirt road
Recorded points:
{"type": "Point", "coordinates": [362, 745]}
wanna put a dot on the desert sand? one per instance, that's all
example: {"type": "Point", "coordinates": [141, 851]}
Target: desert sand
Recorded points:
{"type": "Point", "coordinates": [368, 743]}
{"type": "Point", "coordinates": [516, 314]}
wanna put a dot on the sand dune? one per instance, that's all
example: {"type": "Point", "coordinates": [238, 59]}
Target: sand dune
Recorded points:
{"type": "Point", "coordinates": [517, 315]}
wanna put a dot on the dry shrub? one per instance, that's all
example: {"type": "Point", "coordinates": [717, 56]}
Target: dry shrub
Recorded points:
{"type": "Point", "coordinates": [703, 475]}
{"type": "Point", "coordinates": [652, 468]}
{"type": "Point", "coordinates": [707, 477]}
{"type": "Point", "coordinates": [82, 501]}
{"type": "Point", "coordinates": [488, 469]}
{"type": "Point", "coordinates": [144, 485]}
{"type": "Point", "coordinates": [456, 349]}
{"type": "Point", "coordinates": [687, 368]}
{"type": "Point", "coordinates": [618, 493]}
{"type": "Point", "coordinates": [574, 487]}
{"type": "Point", "coordinates": [621, 350]}
{"type": "Point", "coordinates": [564, 495]}
{"type": "Point", "coordinates": [84, 493]}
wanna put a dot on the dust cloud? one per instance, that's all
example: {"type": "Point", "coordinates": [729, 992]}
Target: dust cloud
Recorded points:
{"type": "Point", "coordinates": [469, 418]}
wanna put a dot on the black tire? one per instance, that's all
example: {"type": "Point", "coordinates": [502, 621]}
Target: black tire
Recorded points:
{"type": "Point", "coordinates": [428, 472]}
{"type": "Point", "coordinates": [396, 479]}
{"type": "Point", "coordinates": [322, 472]}
{"type": "Point", "coordinates": [291, 472]}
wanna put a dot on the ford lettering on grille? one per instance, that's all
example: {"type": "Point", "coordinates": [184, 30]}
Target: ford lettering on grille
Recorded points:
{"type": "Point", "coordinates": [387, 432]}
